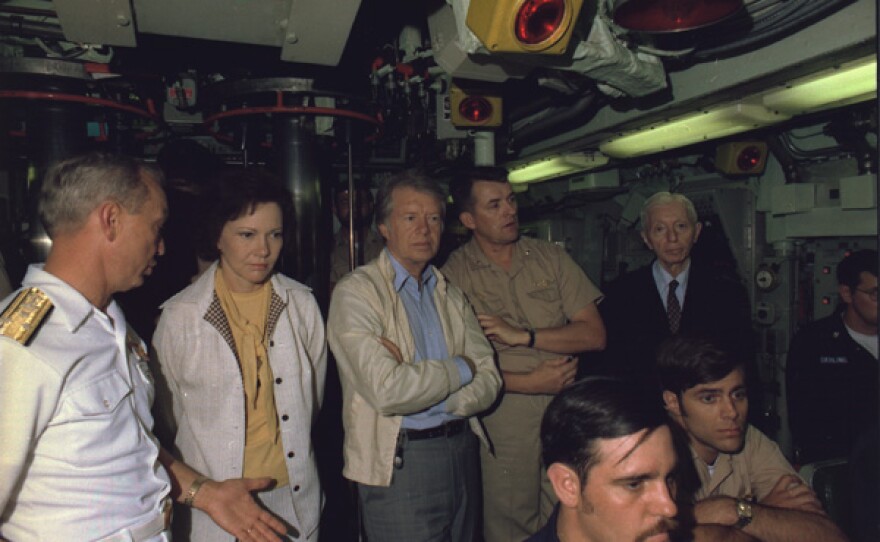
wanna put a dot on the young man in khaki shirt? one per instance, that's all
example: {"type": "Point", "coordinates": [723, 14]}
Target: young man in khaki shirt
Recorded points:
{"type": "Point", "coordinates": [740, 481]}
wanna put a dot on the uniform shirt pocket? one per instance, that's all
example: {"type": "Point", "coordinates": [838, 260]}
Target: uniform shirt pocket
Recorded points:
{"type": "Point", "coordinates": [100, 398]}
{"type": "Point", "coordinates": [546, 291]}
{"type": "Point", "coordinates": [94, 426]}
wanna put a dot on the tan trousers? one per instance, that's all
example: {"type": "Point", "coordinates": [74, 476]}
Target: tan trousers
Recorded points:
{"type": "Point", "coordinates": [517, 496]}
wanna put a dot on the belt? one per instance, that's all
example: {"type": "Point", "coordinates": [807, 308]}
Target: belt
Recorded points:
{"type": "Point", "coordinates": [448, 429]}
{"type": "Point", "coordinates": [161, 522]}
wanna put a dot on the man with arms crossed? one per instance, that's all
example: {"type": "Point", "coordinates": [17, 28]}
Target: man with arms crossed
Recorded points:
{"type": "Point", "coordinates": [536, 305]}
{"type": "Point", "coordinates": [415, 370]}
{"type": "Point", "coordinates": [78, 461]}
{"type": "Point", "coordinates": [610, 458]}
{"type": "Point", "coordinates": [740, 479]}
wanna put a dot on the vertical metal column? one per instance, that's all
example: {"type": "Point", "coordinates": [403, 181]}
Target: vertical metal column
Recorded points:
{"type": "Point", "coordinates": [307, 257]}
{"type": "Point", "coordinates": [55, 131]}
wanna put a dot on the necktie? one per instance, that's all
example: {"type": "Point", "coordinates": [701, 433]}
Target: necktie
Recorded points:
{"type": "Point", "coordinates": [673, 309]}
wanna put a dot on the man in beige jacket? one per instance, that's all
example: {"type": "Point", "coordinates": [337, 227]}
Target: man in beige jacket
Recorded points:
{"type": "Point", "coordinates": [415, 370]}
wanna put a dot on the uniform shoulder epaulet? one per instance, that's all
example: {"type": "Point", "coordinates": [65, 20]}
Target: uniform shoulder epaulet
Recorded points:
{"type": "Point", "coordinates": [21, 319]}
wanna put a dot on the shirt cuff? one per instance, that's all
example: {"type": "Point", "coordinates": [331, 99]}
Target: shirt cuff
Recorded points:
{"type": "Point", "coordinates": [464, 370]}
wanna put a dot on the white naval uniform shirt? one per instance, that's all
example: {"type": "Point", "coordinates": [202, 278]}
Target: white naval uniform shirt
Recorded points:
{"type": "Point", "coordinates": [77, 459]}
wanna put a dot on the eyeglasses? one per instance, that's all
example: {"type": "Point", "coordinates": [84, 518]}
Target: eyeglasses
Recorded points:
{"type": "Point", "coordinates": [870, 293]}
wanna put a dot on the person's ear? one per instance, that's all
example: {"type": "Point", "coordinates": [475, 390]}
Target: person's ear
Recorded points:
{"type": "Point", "coordinates": [673, 406]}
{"type": "Point", "coordinates": [645, 240]}
{"type": "Point", "coordinates": [846, 293]}
{"type": "Point", "coordinates": [566, 484]}
{"type": "Point", "coordinates": [109, 216]}
{"type": "Point", "coordinates": [467, 219]}
{"type": "Point", "coordinates": [383, 230]}
{"type": "Point", "coordinates": [698, 227]}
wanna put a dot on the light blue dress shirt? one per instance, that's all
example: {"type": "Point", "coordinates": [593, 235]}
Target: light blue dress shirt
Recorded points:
{"type": "Point", "coordinates": [662, 278]}
{"type": "Point", "coordinates": [427, 331]}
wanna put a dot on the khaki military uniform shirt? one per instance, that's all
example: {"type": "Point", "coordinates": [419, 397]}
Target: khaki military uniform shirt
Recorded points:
{"type": "Point", "coordinates": [543, 288]}
{"type": "Point", "coordinates": [373, 245]}
{"type": "Point", "coordinates": [754, 471]}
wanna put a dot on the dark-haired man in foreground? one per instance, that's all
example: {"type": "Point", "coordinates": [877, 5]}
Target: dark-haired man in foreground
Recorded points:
{"type": "Point", "coordinates": [739, 478]}
{"type": "Point", "coordinates": [610, 459]}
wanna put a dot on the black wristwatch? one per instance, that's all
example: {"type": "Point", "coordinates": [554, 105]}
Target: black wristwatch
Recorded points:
{"type": "Point", "coordinates": [743, 512]}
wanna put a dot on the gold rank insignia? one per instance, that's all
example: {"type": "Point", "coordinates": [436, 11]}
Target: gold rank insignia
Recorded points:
{"type": "Point", "coordinates": [25, 314]}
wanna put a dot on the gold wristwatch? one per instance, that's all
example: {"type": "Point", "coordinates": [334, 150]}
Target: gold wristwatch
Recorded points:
{"type": "Point", "coordinates": [743, 512]}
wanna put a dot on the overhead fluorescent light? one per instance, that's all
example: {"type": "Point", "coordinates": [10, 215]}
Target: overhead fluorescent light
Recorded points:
{"type": "Point", "coordinates": [846, 84]}
{"type": "Point", "coordinates": [557, 166]}
{"type": "Point", "coordinates": [693, 128]}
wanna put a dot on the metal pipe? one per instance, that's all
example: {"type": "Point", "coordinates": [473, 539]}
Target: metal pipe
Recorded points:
{"type": "Point", "coordinates": [19, 26]}
{"type": "Point", "coordinates": [297, 164]}
{"type": "Point", "coordinates": [352, 204]}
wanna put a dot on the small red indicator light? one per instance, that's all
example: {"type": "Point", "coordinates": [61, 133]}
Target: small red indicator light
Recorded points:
{"type": "Point", "coordinates": [826, 270]}
{"type": "Point", "coordinates": [537, 20]}
{"type": "Point", "coordinates": [749, 158]}
{"type": "Point", "coordinates": [475, 109]}
{"type": "Point", "coordinates": [826, 300]}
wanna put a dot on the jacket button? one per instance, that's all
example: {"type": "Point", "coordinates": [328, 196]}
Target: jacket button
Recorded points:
{"type": "Point", "coordinates": [278, 380]}
{"type": "Point", "coordinates": [290, 454]}
{"type": "Point", "coordinates": [284, 417]}
{"type": "Point", "coordinates": [296, 488]}
{"type": "Point", "coordinates": [271, 343]}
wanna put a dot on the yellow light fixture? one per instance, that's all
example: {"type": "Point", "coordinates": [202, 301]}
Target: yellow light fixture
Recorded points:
{"type": "Point", "coordinates": [693, 128]}
{"type": "Point", "coordinates": [846, 84]}
{"type": "Point", "coordinates": [557, 166]}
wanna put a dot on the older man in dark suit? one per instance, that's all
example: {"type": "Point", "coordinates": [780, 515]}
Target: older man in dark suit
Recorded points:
{"type": "Point", "coordinates": [673, 295]}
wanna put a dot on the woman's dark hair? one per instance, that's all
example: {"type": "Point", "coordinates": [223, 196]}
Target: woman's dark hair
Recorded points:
{"type": "Point", "coordinates": [236, 193]}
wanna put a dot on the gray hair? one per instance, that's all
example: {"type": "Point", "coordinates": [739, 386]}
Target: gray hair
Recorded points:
{"type": "Point", "coordinates": [416, 180]}
{"type": "Point", "coordinates": [665, 198]}
{"type": "Point", "coordinates": [74, 187]}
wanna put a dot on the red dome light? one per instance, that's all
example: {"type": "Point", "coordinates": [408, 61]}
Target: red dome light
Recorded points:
{"type": "Point", "coordinates": [749, 158]}
{"type": "Point", "coordinates": [475, 109]}
{"type": "Point", "coordinates": [671, 15]}
{"type": "Point", "coordinates": [537, 20]}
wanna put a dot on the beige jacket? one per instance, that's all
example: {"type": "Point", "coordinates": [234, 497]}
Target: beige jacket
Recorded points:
{"type": "Point", "coordinates": [377, 391]}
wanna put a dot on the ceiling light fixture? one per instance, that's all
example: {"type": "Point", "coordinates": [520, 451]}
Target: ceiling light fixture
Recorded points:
{"type": "Point", "coordinates": [556, 166]}
{"type": "Point", "coordinates": [692, 128]}
{"type": "Point", "coordinates": [849, 83]}
{"type": "Point", "coordinates": [671, 15]}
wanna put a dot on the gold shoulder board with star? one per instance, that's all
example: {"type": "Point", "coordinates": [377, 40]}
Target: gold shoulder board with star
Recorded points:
{"type": "Point", "coordinates": [21, 319]}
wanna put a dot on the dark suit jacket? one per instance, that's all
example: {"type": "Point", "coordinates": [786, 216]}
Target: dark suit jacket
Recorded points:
{"type": "Point", "coordinates": [635, 321]}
